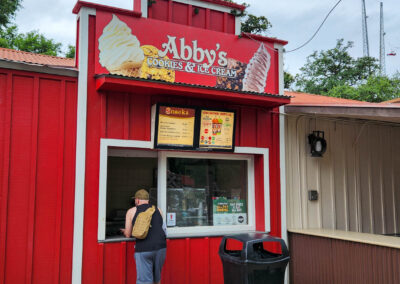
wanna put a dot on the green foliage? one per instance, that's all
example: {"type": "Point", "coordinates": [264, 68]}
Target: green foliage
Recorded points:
{"type": "Point", "coordinates": [70, 52]}
{"type": "Point", "coordinates": [254, 24]}
{"type": "Point", "coordinates": [31, 42]}
{"type": "Point", "coordinates": [8, 9]}
{"type": "Point", "coordinates": [37, 43]}
{"type": "Point", "coordinates": [335, 73]}
{"type": "Point", "coordinates": [288, 79]}
{"type": "Point", "coordinates": [8, 36]}
{"type": "Point", "coordinates": [376, 89]}
{"type": "Point", "coordinates": [251, 23]}
{"type": "Point", "coordinates": [326, 70]}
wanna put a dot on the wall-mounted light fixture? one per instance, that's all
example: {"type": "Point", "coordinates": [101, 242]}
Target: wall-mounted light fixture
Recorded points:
{"type": "Point", "coordinates": [317, 143]}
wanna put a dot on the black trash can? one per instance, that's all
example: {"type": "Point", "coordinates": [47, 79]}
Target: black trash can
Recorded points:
{"type": "Point", "coordinates": [253, 264]}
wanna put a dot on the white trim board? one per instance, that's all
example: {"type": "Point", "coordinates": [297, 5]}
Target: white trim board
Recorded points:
{"type": "Point", "coordinates": [80, 163]}
{"type": "Point", "coordinates": [265, 153]}
{"type": "Point", "coordinates": [148, 145]}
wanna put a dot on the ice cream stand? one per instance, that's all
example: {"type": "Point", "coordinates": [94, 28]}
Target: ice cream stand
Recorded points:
{"type": "Point", "coordinates": [172, 97]}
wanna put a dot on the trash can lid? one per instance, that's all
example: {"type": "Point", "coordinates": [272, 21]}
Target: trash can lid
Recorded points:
{"type": "Point", "coordinates": [254, 237]}
{"type": "Point", "coordinates": [250, 240]}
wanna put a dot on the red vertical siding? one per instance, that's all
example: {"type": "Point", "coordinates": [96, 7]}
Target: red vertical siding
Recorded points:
{"type": "Point", "coordinates": [139, 117]}
{"type": "Point", "coordinates": [185, 14]}
{"type": "Point", "coordinates": [179, 13]}
{"type": "Point", "coordinates": [216, 21]}
{"type": "Point", "coordinates": [19, 183]}
{"type": "Point", "coordinates": [159, 10]}
{"type": "Point", "coordinates": [199, 19]}
{"type": "Point", "coordinates": [47, 178]}
{"type": "Point", "coordinates": [35, 177]}
{"type": "Point", "coordinates": [275, 183]}
{"type": "Point", "coordinates": [68, 179]}
{"type": "Point", "coordinates": [5, 120]}
{"type": "Point", "coordinates": [231, 24]}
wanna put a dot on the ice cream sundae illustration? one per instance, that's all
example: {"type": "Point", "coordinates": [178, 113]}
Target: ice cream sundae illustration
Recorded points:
{"type": "Point", "coordinates": [216, 126]}
{"type": "Point", "coordinates": [255, 78]}
{"type": "Point", "coordinates": [120, 50]}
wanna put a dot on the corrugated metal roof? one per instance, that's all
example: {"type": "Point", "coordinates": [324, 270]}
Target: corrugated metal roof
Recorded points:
{"type": "Point", "coordinates": [312, 99]}
{"type": "Point", "coordinates": [33, 58]}
{"type": "Point", "coordinates": [394, 101]}
{"type": "Point", "coordinates": [195, 85]}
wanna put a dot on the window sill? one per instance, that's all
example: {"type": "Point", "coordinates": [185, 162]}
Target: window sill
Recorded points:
{"type": "Point", "coordinates": [180, 236]}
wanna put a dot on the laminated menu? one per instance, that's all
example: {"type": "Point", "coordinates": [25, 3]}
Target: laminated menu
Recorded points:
{"type": "Point", "coordinates": [216, 129]}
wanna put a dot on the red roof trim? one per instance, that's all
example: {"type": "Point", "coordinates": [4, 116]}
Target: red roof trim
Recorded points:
{"type": "Point", "coordinates": [100, 7]}
{"type": "Point", "coordinates": [226, 4]}
{"type": "Point", "coordinates": [117, 83]}
{"type": "Point", "coordinates": [264, 38]}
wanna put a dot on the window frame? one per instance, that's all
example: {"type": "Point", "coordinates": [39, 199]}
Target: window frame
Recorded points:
{"type": "Point", "coordinates": [125, 147]}
{"type": "Point", "coordinates": [206, 230]}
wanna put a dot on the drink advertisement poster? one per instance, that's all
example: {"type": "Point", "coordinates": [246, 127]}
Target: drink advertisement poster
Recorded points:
{"type": "Point", "coordinates": [216, 129]}
{"type": "Point", "coordinates": [229, 211]}
{"type": "Point", "coordinates": [175, 126]}
{"type": "Point", "coordinates": [149, 49]}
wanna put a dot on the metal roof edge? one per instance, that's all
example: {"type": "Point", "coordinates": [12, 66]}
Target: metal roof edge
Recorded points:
{"type": "Point", "coordinates": [350, 111]}
{"type": "Point", "coordinates": [38, 68]}
{"type": "Point", "coordinates": [193, 86]}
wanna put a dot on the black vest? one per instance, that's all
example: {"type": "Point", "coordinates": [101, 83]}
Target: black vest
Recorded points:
{"type": "Point", "coordinates": [156, 238]}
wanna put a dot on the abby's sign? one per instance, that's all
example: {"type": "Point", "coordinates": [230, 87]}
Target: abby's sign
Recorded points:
{"type": "Point", "coordinates": [151, 49]}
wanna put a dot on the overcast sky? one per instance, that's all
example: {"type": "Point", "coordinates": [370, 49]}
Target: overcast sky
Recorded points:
{"type": "Point", "coordinates": [292, 20]}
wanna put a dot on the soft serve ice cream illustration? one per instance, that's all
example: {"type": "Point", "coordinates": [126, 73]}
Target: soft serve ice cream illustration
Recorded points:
{"type": "Point", "coordinates": [255, 78]}
{"type": "Point", "coordinates": [120, 51]}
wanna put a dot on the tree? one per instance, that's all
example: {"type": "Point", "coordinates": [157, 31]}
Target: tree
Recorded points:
{"type": "Point", "coordinates": [254, 24]}
{"type": "Point", "coordinates": [8, 9]}
{"type": "Point", "coordinates": [251, 23]}
{"type": "Point", "coordinates": [31, 42]}
{"type": "Point", "coordinates": [326, 70]}
{"type": "Point", "coordinates": [288, 79]}
{"type": "Point", "coordinates": [376, 89]}
{"type": "Point", "coordinates": [70, 51]}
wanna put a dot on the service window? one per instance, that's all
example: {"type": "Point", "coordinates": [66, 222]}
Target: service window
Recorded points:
{"type": "Point", "coordinates": [208, 193]}
{"type": "Point", "coordinates": [127, 171]}
{"type": "Point", "coordinates": [200, 194]}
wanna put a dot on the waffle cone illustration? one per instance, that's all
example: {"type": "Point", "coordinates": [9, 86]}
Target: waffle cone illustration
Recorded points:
{"type": "Point", "coordinates": [255, 78]}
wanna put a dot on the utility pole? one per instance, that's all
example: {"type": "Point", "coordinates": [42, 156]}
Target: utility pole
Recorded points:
{"type": "Point", "coordinates": [364, 29]}
{"type": "Point", "coordinates": [382, 64]}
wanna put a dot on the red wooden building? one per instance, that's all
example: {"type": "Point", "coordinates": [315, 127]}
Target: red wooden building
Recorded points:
{"type": "Point", "coordinates": [78, 140]}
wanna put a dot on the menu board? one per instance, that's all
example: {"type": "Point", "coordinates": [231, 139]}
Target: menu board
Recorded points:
{"type": "Point", "coordinates": [229, 211]}
{"type": "Point", "coordinates": [175, 126]}
{"type": "Point", "coordinates": [216, 129]}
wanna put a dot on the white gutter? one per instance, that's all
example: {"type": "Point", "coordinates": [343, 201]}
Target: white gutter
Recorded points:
{"type": "Point", "coordinates": [83, 16]}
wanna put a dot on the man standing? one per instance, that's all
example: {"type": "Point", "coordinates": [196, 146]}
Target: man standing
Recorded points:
{"type": "Point", "coordinates": [149, 252]}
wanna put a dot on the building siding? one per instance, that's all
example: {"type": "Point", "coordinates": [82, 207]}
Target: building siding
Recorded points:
{"type": "Point", "coordinates": [38, 123]}
{"type": "Point", "coordinates": [358, 178]}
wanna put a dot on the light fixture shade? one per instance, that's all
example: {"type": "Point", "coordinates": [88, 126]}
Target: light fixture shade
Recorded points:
{"type": "Point", "coordinates": [318, 143]}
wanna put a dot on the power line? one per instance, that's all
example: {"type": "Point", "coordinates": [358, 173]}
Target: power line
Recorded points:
{"type": "Point", "coordinates": [320, 26]}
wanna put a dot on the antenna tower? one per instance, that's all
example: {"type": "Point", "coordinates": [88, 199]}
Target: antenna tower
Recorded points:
{"type": "Point", "coordinates": [364, 29]}
{"type": "Point", "coordinates": [382, 64]}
